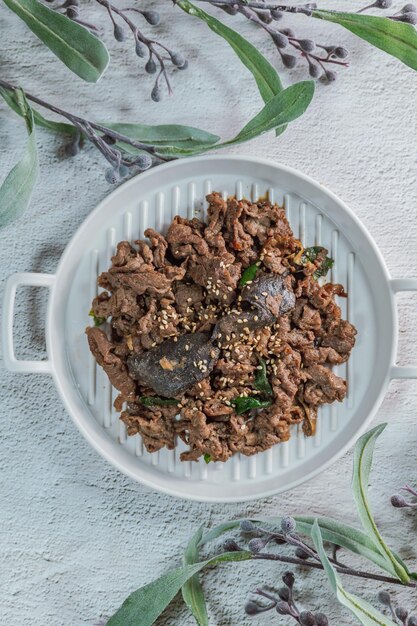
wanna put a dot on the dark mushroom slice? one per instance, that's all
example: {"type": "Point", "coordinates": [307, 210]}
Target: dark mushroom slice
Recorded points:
{"type": "Point", "coordinates": [270, 296]}
{"type": "Point", "coordinates": [174, 366]}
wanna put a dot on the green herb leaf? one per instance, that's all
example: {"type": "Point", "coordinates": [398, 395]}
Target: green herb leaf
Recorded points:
{"type": "Point", "coordinates": [324, 268]}
{"type": "Point", "coordinates": [365, 612]}
{"type": "Point", "coordinates": [16, 190]}
{"type": "Point", "coordinates": [146, 604]}
{"type": "Point", "coordinates": [396, 38]}
{"type": "Point", "coordinates": [280, 110]}
{"type": "Point", "coordinates": [249, 274]}
{"type": "Point", "coordinates": [261, 379]}
{"type": "Point", "coordinates": [83, 53]}
{"type": "Point", "coordinates": [192, 591]}
{"type": "Point", "coordinates": [267, 79]}
{"type": "Point", "coordinates": [361, 470]}
{"type": "Point", "coordinates": [164, 134]}
{"type": "Point", "coordinates": [208, 458]}
{"type": "Point", "coordinates": [246, 403]}
{"type": "Point", "coordinates": [98, 321]}
{"type": "Point", "coordinates": [309, 255]}
{"type": "Point", "coordinates": [157, 401]}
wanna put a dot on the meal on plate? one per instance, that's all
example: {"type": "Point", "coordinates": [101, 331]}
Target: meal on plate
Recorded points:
{"type": "Point", "coordinates": [220, 333]}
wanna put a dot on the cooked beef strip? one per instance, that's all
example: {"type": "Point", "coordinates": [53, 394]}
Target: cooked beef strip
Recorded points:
{"type": "Point", "coordinates": [165, 292]}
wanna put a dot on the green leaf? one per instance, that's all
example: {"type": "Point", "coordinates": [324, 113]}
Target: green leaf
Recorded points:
{"type": "Point", "coordinates": [282, 109]}
{"type": "Point", "coordinates": [249, 274]}
{"type": "Point", "coordinates": [396, 38]}
{"type": "Point", "coordinates": [192, 591]}
{"type": "Point", "coordinates": [165, 134]}
{"type": "Point", "coordinates": [362, 464]}
{"type": "Point", "coordinates": [208, 458]}
{"type": "Point", "coordinates": [144, 605]}
{"type": "Point", "coordinates": [261, 379]}
{"type": "Point", "coordinates": [267, 79]}
{"type": "Point", "coordinates": [247, 403]}
{"type": "Point", "coordinates": [157, 401]}
{"type": "Point", "coordinates": [58, 127]}
{"type": "Point", "coordinates": [17, 188]}
{"type": "Point", "coordinates": [365, 612]}
{"type": "Point", "coordinates": [83, 53]}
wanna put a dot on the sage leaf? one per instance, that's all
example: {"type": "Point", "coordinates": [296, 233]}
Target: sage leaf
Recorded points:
{"type": "Point", "coordinates": [362, 464]}
{"type": "Point", "coordinates": [146, 604]}
{"type": "Point", "coordinates": [16, 190]}
{"type": "Point", "coordinates": [192, 590]}
{"type": "Point", "coordinates": [282, 109]}
{"type": "Point", "coordinates": [266, 77]}
{"type": "Point", "coordinates": [396, 38]}
{"type": "Point", "coordinates": [83, 53]}
{"type": "Point", "coordinates": [365, 612]}
{"type": "Point", "coordinates": [165, 134]}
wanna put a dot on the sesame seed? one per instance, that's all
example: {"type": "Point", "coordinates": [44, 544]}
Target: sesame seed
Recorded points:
{"type": "Point", "coordinates": [264, 293]}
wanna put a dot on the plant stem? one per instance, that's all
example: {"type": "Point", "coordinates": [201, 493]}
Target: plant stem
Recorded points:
{"type": "Point", "coordinates": [79, 121]}
{"type": "Point", "coordinates": [256, 5]}
{"type": "Point", "coordinates": [342, 570]}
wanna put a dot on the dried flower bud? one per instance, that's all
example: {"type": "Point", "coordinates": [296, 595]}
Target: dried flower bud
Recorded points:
{"type": "Point", "coordinates": [283, 608]}
{"type": "Point", "coordinates": [288, 525]}
{"type": "Point", "coordinates": [307, 618]}
{"type": "Point", "coordinates": [300, 553]}
{"type": "Point", "coordinates": [276, 14]}
{"type": "Point", "coordinates": [280, 40]}
{"type": "Point", "coordinates": [284, 593]}
{"type": "Point", "coordinates": [398, 501]}
{"type": "Point", "coordinates": [340, 52]}
{"type": "Point", "coordinates": [156, 93]}
{"type": "Point", "coordinates": [119, 33]}
{"type": "Point", "coordinates": [183, 66]}
{"type": "Point", "coordinates": [141, 49]}
{"type": "Point", "coordinates": [150, 66]}
{"type": "Point", "coordinates": [152, 17]}
{"type": "Point", "coordinates": [289, 60]}
{"type": "Point", "coordinates": [288, 579]}
{"type": "Point", "coordinates": [315, 72]}
{"type": "Point", "coordinates": [177, 59]}
{"type": "Point", "coordinates": [112, 175]}
{"type": "Point", "coordinates": [231, 546]}
{"type": "Point", "coordinates": [288, 32]}
{"type": "Point", "coordinates": [264, 16]}
{"type": "Point", "coordinates": [384, 598]}
{"type": "Point", "coordinates": [251, 608]}
{"type": "Point", "coordinates": [247, 526]}
{"type": "Point", "coordinates": [321, 619]}
{"type": "Point", "coordinates": [409, 8]}
{"type": "Point", "coordinates": [330, 76]}
{"type": "Point", "coordinates": [72, 12]}
{"type": "Point", "coordinates": [383, 4]}
{"type": "Point", "coordinates": [408, 18]}
{"type": "Point", "coordinates": [401, 613]}
{"type": "Point", "coordinates": [307, 45]}
{"type": "Point", "coordinates": [256, 545]}
{"type": "Point", "coordinates": [143, 161]}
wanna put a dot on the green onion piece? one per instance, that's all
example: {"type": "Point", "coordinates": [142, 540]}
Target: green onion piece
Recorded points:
{"type": "Point", "coordinates": [261, 379]}
{"type": "Point", "coordinates": [157, 401]}
{"type": "Point", "coordinates": [246, 403]}
{"type": "Point", "coordinates": [249, 274]}
{"type": "Point", "coordinates": [98, 321]}
{"type": "Point", "coordinates": [207, 458]}
{"type": "Point", "coordinates": [324, 268]}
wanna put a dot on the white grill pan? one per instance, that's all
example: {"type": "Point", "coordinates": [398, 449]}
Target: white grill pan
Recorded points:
{"type": "Point", "coordinates": [152, 199]}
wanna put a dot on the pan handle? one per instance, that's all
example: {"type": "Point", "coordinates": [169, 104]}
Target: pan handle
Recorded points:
{"type": "Point", "coordinates": [10, 361]}
{"type": "Point", "coordinates": [397, 285]}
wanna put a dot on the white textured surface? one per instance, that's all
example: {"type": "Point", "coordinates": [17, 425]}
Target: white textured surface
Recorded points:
{"type": "Point", "coordinates": [76, 536]}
